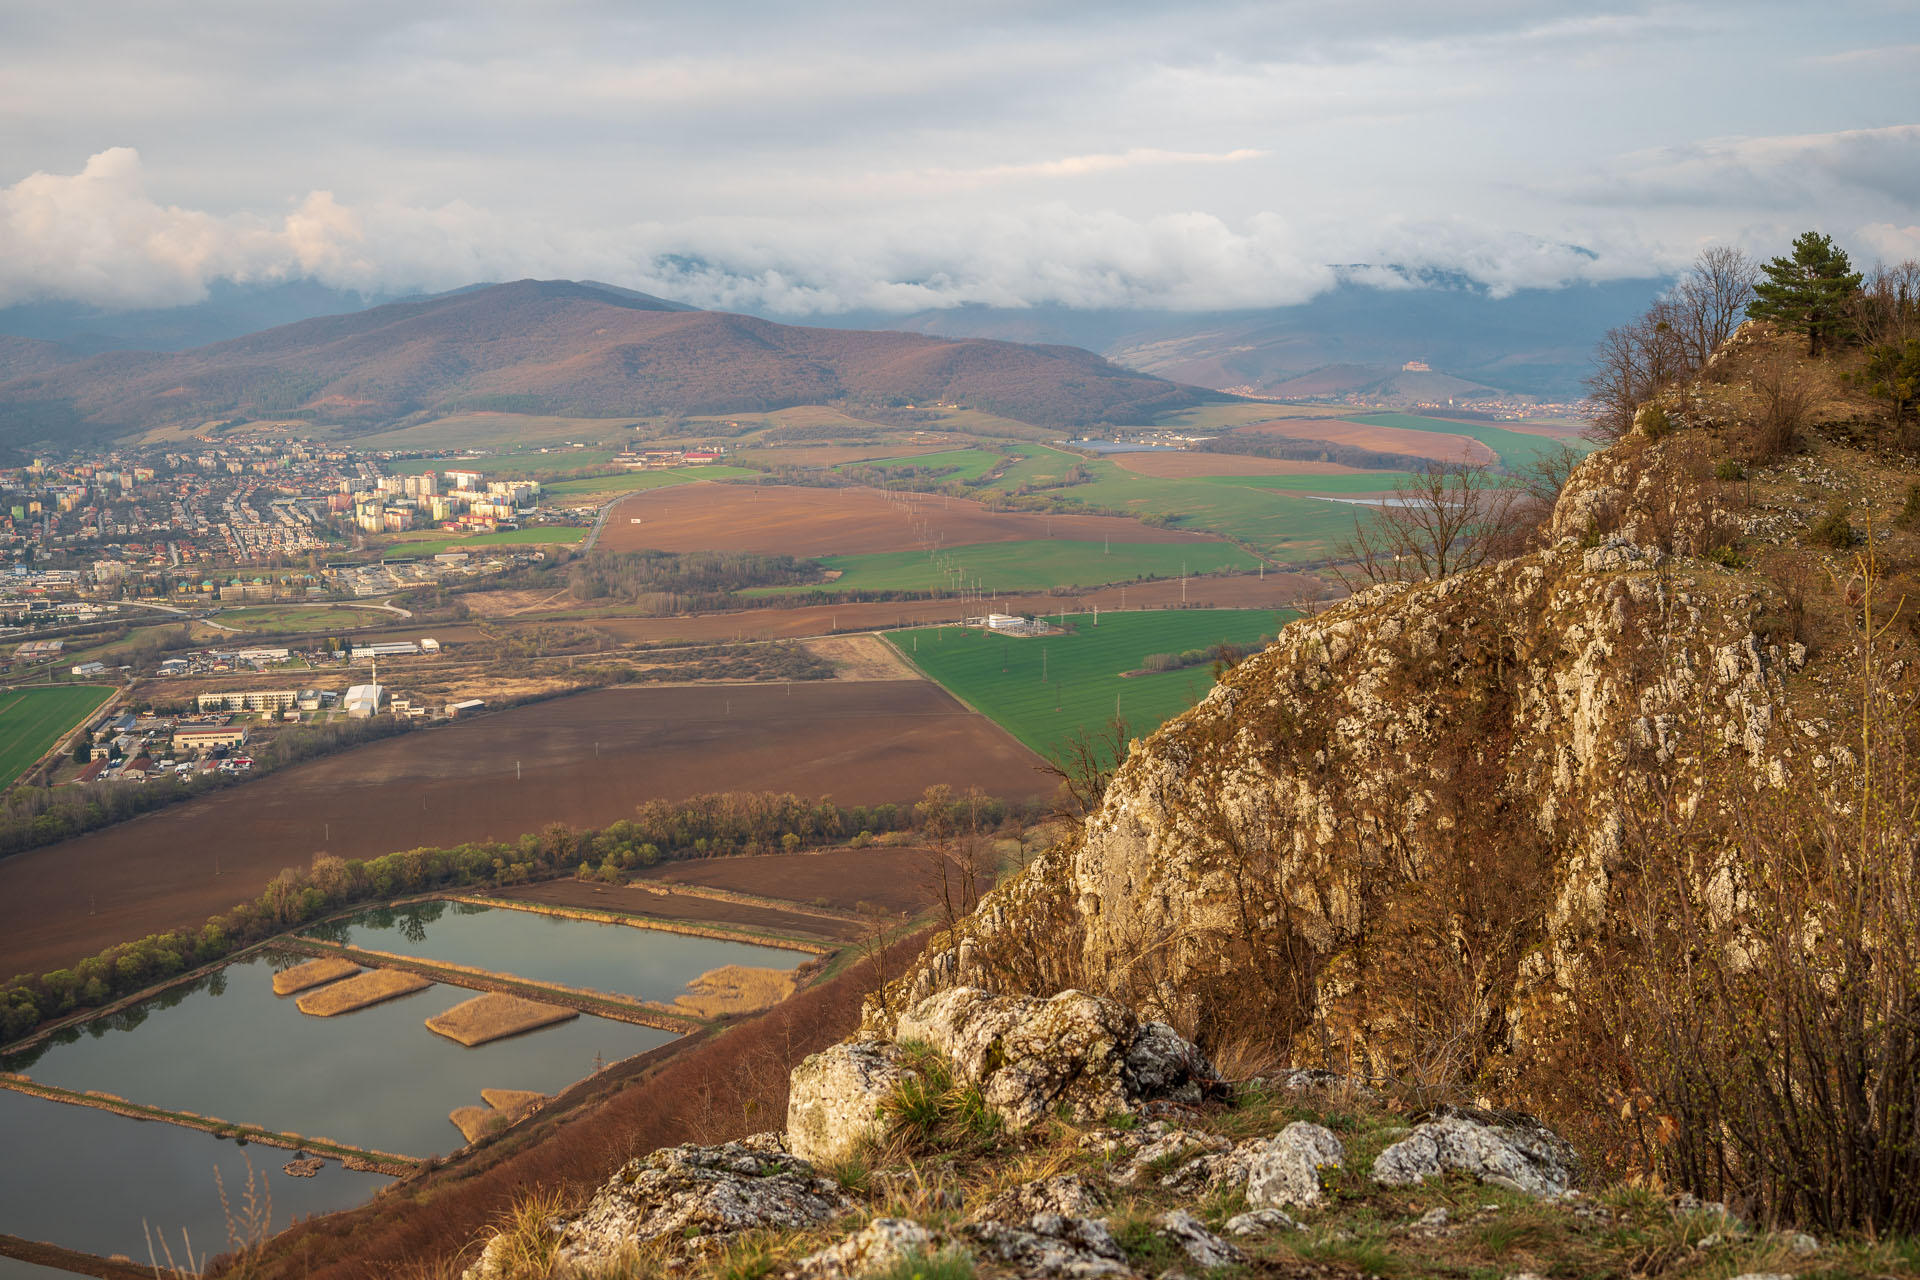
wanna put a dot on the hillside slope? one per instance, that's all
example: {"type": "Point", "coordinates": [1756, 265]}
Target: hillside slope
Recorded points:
{"type": "Point", "coordinates": [1399, 838]}
{"type": "Point", "coordinates": [564, 348]}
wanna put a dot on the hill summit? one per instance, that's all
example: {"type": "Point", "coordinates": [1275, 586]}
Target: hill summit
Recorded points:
{"type": "Point", "coordinates": [566, 348]}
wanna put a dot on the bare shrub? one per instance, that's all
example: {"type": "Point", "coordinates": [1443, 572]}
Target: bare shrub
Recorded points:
{"type": "Point", "coordinates": [1449, 519]}
{"type": "Point", "coordinates": [1888, 308]}
{"type": "Point", "coordinates": [1672, 341]}
{"type": "Point", "coordinates": [1783, 398]}
{"type": "Point", "coordinates": [1759, 999]}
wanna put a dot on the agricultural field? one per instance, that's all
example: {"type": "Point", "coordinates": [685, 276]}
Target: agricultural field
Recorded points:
{"type": "Point", "coordinates": [954, 464]}
{"type": "Point", "coordinates": [506, 431]}
{"type": "Point", "coordinates": [428, 542]}
{"type": "Point", "coordinates": [1023, 566]}
{"type": "Point", "coordinates": [32, 720]}
{"type": "Point", "coordinates": [800, 521]}
{"type": "Point", "coordinates": [1043, 689]}
{"type": "Point", "coordinates": [1221, 417]}
{"type": "Point", "coordinates": [288, 619]}
{"type": "Point", "coordinates": [569, 491]}
{"type": "Point", "coordinates": [1428, 441]}
{"type": "Point", "coordinates": [1352, 482]}
{"type": "Point", "coordinates": [1514, 448]}
{"type": "Point", "coordinates": [584, 760]}
{"type": "Point", "coordinates": [1280, 525]}
{"type": "Point", "coordinates": [1182, 464]}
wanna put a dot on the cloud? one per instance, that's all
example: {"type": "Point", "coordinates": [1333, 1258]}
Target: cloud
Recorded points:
{"type": "Point", "coordinates": [1782, 172]}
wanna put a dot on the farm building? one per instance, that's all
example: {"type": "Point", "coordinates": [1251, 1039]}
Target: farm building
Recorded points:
{"type": "Point", "coordinates": [455, 710]}
{"type": "Point", "coordinates": [207, 739]}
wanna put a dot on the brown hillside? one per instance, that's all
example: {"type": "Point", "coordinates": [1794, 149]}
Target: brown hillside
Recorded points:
{"type": "Point", "coordinates": [564, 348]}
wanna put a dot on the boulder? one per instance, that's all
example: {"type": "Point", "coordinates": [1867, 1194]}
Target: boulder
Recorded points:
{"type": "Point", "coordinates": [879, 1246]}
{"type": "Point", "coordinates": [1031, 1056]}
{"type": "Point", "coordinates": [689, 1197]}
{"type": "Point", "coordinates": [1085, 1056]}
{"type": "Point", "coordinates": [1284, 1172]}
{"type": "Point", "coordinates": [1054, 1246]}
{"type": "Point", "coordinates": [1258, 1222]}
{"type": "Point", "coordinates": [834, 1098]}
{"type": "Point", "coordinates": [1520, 1156]}
{"type": "Point", "coordinates": [1201, 1246]}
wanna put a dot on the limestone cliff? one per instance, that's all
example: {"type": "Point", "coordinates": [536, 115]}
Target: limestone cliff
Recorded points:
{"type": "Point", "coordinates": [1384, 839]}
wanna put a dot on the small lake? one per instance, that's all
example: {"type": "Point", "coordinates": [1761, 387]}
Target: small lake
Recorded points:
{"type": "Point", "coordinates": [649, 963]}
{"type": "Point", "coordinates": [86, 1179]}
{"type": "Point", "coordinates": [227, 1046]}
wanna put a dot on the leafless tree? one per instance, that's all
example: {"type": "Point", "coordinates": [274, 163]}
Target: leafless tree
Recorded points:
{"type": "Point", "coordinates": [1446, 521]}
{"type": "Point", "coordinates": [1889, 304]}
{"type": "Point", "coordinates": [1708, 303]}
{"type": "Point", "coordinates": [1672, 340]}
{"type": "Point", "coordinates": [1084, 764]}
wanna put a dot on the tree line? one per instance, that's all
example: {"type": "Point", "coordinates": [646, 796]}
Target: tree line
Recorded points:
{"type": "Point", "coordinates": [675, 582]}
{"type": "Point", "coordinates": [712, 825]}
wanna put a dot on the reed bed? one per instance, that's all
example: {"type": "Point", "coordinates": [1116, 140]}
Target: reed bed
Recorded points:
{"type": "Point", "coordinates": [314, 973]}
{"type": "Point", "coordinates": [369, 988]}
{"type": "Point", "coordinates": [495, 1016]}
{"type": "Point", "coordinates": [736, 988]}
{"type": "Point", "coordinates": [504, 1106]}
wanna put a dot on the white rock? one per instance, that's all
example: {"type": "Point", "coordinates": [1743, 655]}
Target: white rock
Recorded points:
{"type": "Point", "coordinates": [1204, 1248]}
{"type": "Point", "coordinates": [834, 1097]}
{"type": "Point", "coordinates": [879, 1246]}
{"type": "Point", "coordinates": [1054, 1246]}
{"type": "Point", "coordinates": [1285, 1173]}
{"type": "Point", "coordinates": [1259, 1222]}
{"type": "Point", "coordinates": [1519, 1159]}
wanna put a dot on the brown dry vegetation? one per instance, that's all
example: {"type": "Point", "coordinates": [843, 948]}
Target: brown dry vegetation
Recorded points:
{"type": "Point", "coordinates": [894, 879]}
{"type": "Point", "coordinates": [1419, 444]}
{"type": "Point", "coordinates": [313, 973]}
{"type": "Point", "coordinates": [736, 988]}
{"type": "Point", "coordinates": [371, 988]}
{"type": "Point", "coordinates": [796, 521]}
{"type": "Point", "coordinates": [663, 904]}
{"type": "Point", "coordinates": [495, 1016]}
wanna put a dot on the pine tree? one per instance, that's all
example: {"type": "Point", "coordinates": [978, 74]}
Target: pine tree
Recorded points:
{"type": "Point", "coordinates": [1809, 292]}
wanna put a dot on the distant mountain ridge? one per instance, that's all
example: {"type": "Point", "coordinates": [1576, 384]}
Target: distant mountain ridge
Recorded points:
{"type": "Point", "coordinates": [558, 347]}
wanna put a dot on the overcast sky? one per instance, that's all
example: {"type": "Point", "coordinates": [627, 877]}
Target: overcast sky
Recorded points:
{"type": "Point", "coordinates": [805, 158]}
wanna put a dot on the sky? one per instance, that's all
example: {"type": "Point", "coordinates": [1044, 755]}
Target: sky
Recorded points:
{"type": "Point", "coordinates": [811, 159]}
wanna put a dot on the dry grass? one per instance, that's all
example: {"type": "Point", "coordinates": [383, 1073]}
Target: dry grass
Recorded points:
{"type": "Point", "coordinates": [512, 1101]}
{"type": "Point", "coordinates": [369, 988]}
{"type": "Point", "coordinates": [495, 1016]}
{"type": "Point", "coordinates": [314, 973]}
{"type": "Point", "coordinates": [736, 988]}
{"type": "Point", "coordinates": [504, 1106]}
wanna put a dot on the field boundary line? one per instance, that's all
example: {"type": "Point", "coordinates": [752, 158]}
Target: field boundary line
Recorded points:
{"type": "Point", "coordinates": [754, 900]}
{"type": "Point", "coordinates": [364, 1159]}
{"type": "Point", "coordinates": [646, 1013]}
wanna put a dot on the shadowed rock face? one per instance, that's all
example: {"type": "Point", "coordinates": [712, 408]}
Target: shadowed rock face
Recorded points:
{"type": "Point", "coordinates": [1424, 786]}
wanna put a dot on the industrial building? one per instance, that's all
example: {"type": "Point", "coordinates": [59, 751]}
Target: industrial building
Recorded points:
{"type": "Point", "coordinates": [249, 700]}
{"type": "Point", "coordinates": [208, 739]}
{"type": "Point", "coordinates": [363, 700]}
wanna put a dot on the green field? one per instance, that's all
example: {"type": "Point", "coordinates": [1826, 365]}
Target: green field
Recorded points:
{"type": "Point", "coordinates": [640, 481]}
{"type": "Point", "coordinates": [1353, 482]}
{"type": "Point", "coordinates": [1286, 527]}
{"type": "Point", "coordinates": [290, 619]}
{"type": "Point", "coordinates": [958, 464]}
{"type": "Point", "coordinates": [32, 720]}
{"type": "Point", "coordinates": [1023, 566]}
{"type": "Point", "coordinates": [1516, 448]}
{"type": "Point", "coordinates": [430, 543]}
{"type": "Point", "coordinates": [497, 431]}
{"type": "Point", "coordinates": [1000, 676]}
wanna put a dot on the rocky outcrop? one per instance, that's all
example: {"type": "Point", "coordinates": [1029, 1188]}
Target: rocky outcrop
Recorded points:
{"type": "Point", "coordinates": [1075, 1055]}
{"type": "Point", "coordinates": [1316, 842]}
{"type": "Point", "coordinates": [1285, 1171]}
{"type": "Point", "coordinates": [682, 1199]}
{"type": "Point", "coordinates": [1052, 1245]}
{"type": "Point", "coordinates": [1519, 1156]}
{"type": "Point", "coordinates": [879, 1246]}
{"type": "Point", "coordinates": [833, 1102]}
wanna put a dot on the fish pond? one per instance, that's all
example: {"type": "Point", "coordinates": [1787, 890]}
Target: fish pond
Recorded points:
{"type": "Point", "coordinates": [90, 1180]}
{"type": "Point", "coordinates": [651, 964]}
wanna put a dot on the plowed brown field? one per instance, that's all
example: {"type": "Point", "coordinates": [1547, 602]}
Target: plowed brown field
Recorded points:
{"type": "Point", "coordinates": [1437, 445]}
{"type": "Point", "coordinates": [790, 520]}
{"type": "Point", "coordinates": [1170, 465]}
{"type": "Point", "coordinates": [584, 760]}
